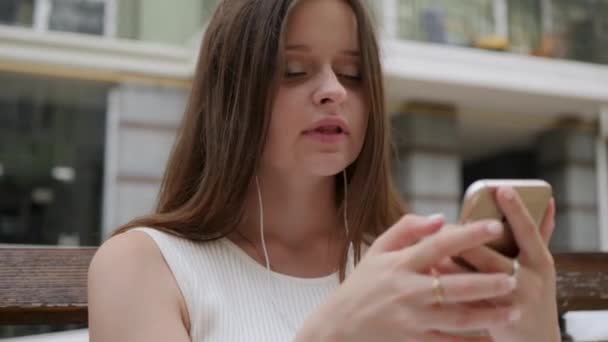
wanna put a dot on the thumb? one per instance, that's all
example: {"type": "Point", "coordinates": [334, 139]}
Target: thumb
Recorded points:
{"type": "Point", "coordinates": [407, 231]}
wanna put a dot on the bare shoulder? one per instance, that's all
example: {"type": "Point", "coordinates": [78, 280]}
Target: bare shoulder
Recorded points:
{"type": "Point", "coordinates": [124, 259]}
{"type": "Point", "coordinates": [132, 243]}
{"type": "Point", "coordinates": [129, 287]}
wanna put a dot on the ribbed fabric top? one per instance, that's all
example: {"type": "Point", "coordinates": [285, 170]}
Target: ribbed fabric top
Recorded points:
{"type": "Point", "coordinates": [231, 297]}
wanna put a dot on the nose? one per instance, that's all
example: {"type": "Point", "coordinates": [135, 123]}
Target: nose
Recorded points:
{"type": "Point", "coordinates": [330, 90]}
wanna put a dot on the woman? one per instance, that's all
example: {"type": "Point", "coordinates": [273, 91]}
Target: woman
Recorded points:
{"type": "Point", "coordinates": [279, 184]}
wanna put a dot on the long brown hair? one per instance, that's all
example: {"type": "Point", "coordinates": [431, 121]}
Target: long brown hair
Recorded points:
{"type": "Point", "coordinates": [222, 135]}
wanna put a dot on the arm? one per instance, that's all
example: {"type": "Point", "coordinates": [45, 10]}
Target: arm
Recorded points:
{"type": "Point", "coordinates": [133, 295]}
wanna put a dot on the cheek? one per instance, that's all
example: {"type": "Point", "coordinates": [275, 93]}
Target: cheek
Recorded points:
{"type": "Point", "coordinates": [360, 119]}
{"type": "Point", "coordinates": [283, 117]}
{"type": "Point", "coordinates": [284, 123]}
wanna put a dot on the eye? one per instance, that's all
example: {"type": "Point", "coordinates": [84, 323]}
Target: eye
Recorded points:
{"type": "Point", "coordinates": [293, 70]}
{"type": "Point", "coordinates": [294, 74]}
{"type": "Point", "coordinates": [356, 77]}
{"type": "Point", "coordinates": [349, 72]}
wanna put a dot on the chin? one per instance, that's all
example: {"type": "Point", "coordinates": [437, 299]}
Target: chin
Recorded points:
{"type": "Point", "coordinates": [327, 165]}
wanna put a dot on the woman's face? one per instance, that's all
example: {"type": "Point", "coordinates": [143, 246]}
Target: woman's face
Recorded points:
{"type": "Point", "coordinates": [320, 113]}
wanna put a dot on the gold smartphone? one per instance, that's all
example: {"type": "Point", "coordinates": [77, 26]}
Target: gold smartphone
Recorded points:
{"type": "Point", "coordinates": [479, 203]}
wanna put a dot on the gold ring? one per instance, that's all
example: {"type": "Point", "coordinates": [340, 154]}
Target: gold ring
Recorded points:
{"type": "Point", "coordinates": [437, 290]}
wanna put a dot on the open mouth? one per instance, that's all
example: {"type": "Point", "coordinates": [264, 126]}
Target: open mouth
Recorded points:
{"type": "Point", "coordinates": [329, 129]}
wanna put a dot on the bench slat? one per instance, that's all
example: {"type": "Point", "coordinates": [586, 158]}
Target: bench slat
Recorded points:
{"type": "Point", "coordinates": [582, 281]}
{"type": "Point", "coordinates": [44, 285]}
{"type": "Point", "coordinates": [48, 285]}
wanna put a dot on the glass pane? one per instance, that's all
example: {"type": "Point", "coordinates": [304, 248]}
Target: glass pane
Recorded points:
{"type": "Point", "coordinates": [51, 151]}
{"type": "Point", "coordinates": [583, 28]}
{"type": "Point", "coordinates": [83, 16]}
{"type": "Point", "coordinates": [525, 25]}
{"type": "Point", "coordinates": [16, 12]}
{"type": "Point", "coordinates": [446, 21]}
{"type": "Point", "coordinates": [601, 31]}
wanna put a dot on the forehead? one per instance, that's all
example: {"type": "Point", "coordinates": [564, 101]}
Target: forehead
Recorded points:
{"type": "Point", "coordinates": [322, 24]}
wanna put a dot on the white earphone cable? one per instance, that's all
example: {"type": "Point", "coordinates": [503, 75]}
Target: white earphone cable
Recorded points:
{"type": "Point", "coordinates": [263, 240]}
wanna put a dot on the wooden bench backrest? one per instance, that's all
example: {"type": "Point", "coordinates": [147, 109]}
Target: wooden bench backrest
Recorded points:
{"type": "Point", "coordinates": [48, 285]}
{"type": "Point", "coordinates": [582, 281]}
{"type": "Point", "coordinates": [44, 285]}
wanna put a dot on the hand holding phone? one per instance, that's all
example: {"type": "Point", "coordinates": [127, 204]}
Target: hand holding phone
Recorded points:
{"type": "Point", "coordinates": [479, 203]}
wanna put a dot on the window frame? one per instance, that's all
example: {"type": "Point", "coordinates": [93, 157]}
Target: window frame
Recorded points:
{"type": "Point", "coordinates": [42, 16]}
{"type": "Point", "coordinates": [500, 17]}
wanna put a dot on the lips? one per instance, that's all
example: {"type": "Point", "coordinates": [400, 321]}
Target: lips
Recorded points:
{"type": "Point", "coordinates": [328, 131]}
{"type": "Point", "coordinates": [329, 126]}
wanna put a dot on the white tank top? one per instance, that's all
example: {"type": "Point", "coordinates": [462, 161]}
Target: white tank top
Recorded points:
{"type": "Point", "coordinates": [229, 295]}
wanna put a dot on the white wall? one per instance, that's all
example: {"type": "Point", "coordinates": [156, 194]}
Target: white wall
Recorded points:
{"type": "Point", "coordinates": [142, 122]}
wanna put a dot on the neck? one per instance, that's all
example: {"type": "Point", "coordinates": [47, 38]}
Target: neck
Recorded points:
{"type": "Point", "coordinates": [297, 210]}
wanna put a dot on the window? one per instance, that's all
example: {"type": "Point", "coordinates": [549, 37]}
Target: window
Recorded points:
{"type": "Point", "coordinates": [52, 140]}
{"type": "Point", "coordinates": [601, 26]}
{"type": "Point", "coordinates": [574, 22]}
{"type": "Point", "coordinates": [525, 25]}
{"type": "Point", "coordinates": [17, 12]}
{"type": "Point", "coordinates": [77, 16]}
{"type": "Point", "coordinates": [81, 16]}
{"type": "Point", "coordinates": [446, 21]}
{"type": "Point", "coordinates": [583, 25]}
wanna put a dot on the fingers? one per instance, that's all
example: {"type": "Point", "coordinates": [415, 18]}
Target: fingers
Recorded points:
{"type": "Point", "coordinates": [528, 237]}
{"type": "Point", "coordinates": [548, 224]}
{"type": "Point", "coordinates": [487, 260]}
{"type": "Point", "coordinates": [407, 231]}
{"type": "Point", "coordinates": [450, 241]}
{"type": "Point", "coordinates": [462, 318]}
{"type": "Point", "coordinates": [448, 266]}
{"type": "Point", "coordinates": [462, 288]}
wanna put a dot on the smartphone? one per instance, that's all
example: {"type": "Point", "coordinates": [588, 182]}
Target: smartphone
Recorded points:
{"type": "Point", "coordinates": [479, 203]}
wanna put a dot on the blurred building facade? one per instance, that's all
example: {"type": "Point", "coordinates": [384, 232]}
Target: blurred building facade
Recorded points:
{"type": "Point", "coordinates": [93, 90]}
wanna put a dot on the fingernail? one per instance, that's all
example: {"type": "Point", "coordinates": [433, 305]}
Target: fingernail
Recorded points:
{"type": "Point", "coordinates": [508, 193]}
{"type": "Point", "coordinates": [435, 218]}
{"type": "Point", "coordinates": [494, 227]}
{"type": "Point", "coordinates": [512, 283]}
{"type": "Point", "coordinates": [514, 315]}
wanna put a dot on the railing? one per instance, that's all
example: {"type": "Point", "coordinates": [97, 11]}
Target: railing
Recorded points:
{"type": "Point", "coordinates": [564, 29]}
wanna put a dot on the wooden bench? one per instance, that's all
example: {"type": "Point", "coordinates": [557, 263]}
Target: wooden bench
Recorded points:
{"type": "Point", "coordinates": [44, 285]}
{"type": "Point", "coordinates": [48, 285]}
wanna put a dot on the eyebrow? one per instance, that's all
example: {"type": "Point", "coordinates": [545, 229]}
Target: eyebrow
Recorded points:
{"type": "Point", "coordinates": [302, 47]}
